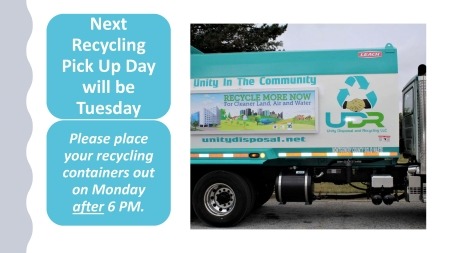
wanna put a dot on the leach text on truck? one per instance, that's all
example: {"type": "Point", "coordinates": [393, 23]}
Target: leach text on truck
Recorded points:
{"type": "Point", "coordinates": [265, 123]}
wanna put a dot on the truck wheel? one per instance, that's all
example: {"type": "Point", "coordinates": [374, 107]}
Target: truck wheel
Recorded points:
{"type": "Point", "coordinates": [264, 193]}
{"type": "Point", "coordinates": [222, 198]}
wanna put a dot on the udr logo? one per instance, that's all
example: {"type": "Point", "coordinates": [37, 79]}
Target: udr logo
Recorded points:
{"type": "Point", "coordinates": [356, 118]}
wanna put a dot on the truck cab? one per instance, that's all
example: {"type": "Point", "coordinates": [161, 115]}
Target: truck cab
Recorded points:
{"type": "Point", "coordinates": [413, 133]}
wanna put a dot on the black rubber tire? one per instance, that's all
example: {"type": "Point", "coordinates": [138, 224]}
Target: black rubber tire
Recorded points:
{"type": "Point", "coordinates": [264, 193]}
{"type": "Point", "coordinates": [222, 198]}
{"type": "Point", "coordinates": [253, 194]}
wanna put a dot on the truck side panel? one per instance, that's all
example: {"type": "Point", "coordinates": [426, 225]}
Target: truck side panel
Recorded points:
{"type": "Point", "coordinates": [274, 105]}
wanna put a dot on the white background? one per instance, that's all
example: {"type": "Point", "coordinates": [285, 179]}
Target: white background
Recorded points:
{"type": "Point", "coordinates": [175, 235]}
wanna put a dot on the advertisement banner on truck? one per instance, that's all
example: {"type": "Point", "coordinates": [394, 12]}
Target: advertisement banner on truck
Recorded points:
{"type": "Point", "coordinates": [269, 112]}
{"type": "Point", "coordinates": [351, 111]}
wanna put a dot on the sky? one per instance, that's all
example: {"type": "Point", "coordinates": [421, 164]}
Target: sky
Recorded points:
{"type": "Point", "coordinates": [409, 39]}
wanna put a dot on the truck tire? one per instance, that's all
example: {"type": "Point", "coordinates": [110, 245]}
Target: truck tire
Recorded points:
{"type": "Point", "coordinates": [264, 193]}
{"type": "Point", "coordinates": [222, 199]}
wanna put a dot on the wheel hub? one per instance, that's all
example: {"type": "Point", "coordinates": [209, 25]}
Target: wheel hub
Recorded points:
{"type": "Point", "coordinates": [219, 199]}
{"type": "Point", "coordinates": [223, 198]}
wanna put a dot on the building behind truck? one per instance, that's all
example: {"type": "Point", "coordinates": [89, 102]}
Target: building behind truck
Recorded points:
{"type": "Point", "coordinates": [280, 122]}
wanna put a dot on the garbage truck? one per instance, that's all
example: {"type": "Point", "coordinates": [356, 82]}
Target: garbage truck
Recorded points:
{"type": "Point", "coordinates": [279, 123]}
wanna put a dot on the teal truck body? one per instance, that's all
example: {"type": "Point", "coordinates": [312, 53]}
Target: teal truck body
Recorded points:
{"type": "Point", "coordinates": [280, 122]}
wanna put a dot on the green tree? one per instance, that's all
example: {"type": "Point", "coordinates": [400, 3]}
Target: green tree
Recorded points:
{"type": "Point", "coordinates": [195, 125]}
{"type": "Point", "coordinates": [257, 119]}
{"type": "Point", "coordinates": [223, 114]}
{"type": "Point", "coordinates": [227, 38]}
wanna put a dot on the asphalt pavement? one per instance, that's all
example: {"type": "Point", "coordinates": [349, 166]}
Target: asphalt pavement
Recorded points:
{"type": "Point", "coordinates": [332, 214]}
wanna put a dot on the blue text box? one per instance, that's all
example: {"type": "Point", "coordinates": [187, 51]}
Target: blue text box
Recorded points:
{"type": "Point", "coordinates": [108, 66]}
{"type": "Point", "coordinates": [108, 173]}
